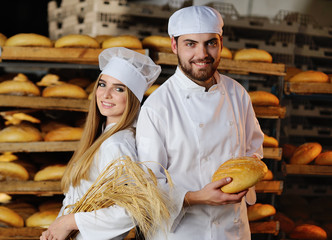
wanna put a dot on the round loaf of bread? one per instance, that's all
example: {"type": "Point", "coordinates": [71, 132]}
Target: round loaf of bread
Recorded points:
{"type": "Point", "coordinates": [3, 39]}
{"type": "Point", "coordinates": [306, 153]}
{"type": "Point", "coordinates": [151, 89]}
{"type": "Point", "coordinates": [8, 157]}
{"type": "Point", "coordinates": [50, 205]}
{"type": "Point", "coordinates": [65, 90]}
{"type": "Point", "coordinates": [324, 158]}
{"type": "Point", "coordinates": [41, 219]}
{"type": "Point", "coordinates": [288, 150]}
{"type": "Point", "coordinates": [20, 133]}
{"type": "Point", "coordinates": [5, 198]}
{"type": "Point", "coordinates": [308, 232]}
{"type": "Point", "coordinates": [310, 76]}
{"type": "Point", "coordinates": [101, 38]}
{"type": "Point", "coordinates": [12, 171]}
{"type": "Point", "coordinates": [19, 85]}
{"type": "Point", "coordinates": [28, 40]}
{"type": "Point", "coordinates": [76, 41]}
{"type": "Point", "coordinates": [127, 41]}
{"type": "Point", "coordinates": [259, 211]}
{"type": "Point", "coordinates": [253, 54]}
{"type": "Point", "coordinates": [226, 53]}
{"type": "Point", "coordinates": [286, 224]}
{"type": "Point", "coordinates": [158, 43]}
{"type": "Point", "coordinates": [80, 81]}
{"type": "Point", "coordinates": [245, 172]}
{"type": "Point", "coordinates": [290, 72]}
{"type": "Point", "coordinates": [64, 134]}
{"type": "Point", "coordinates": [263, 98]}
{"type": "Point", "coordinates": [17, 118]}
{"type": "Point", "coordinates": [10, 218]}
{"type": "Point", "coordinates": [268, 176]}
{"type": "Point", "coordinates": [270, 141]}
{"type": "Point", "coordinates": [51, 173]}
{"type": "Point", "coordinates": [49, 80]}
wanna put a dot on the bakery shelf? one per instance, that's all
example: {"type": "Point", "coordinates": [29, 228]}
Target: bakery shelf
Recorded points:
{"type": "Point", "coordinates": [245, 67]}
{"type": "Point", "coordinates": [267, 227]}
{"type": "Point", "coordinates": [66, 146]}
{"type": "Point", "coordinates": [69, 104]}
{"type": "Point", "coordinates": [71, 55]}
{"type": "Point", "coordinates": [269, 187]}
{"type": "Point", "coordinates": [309, 170]}
{"type": "Point", "coordinates": [272, 153]}
{"type": "Point", "coordinates": [42, 188]}
{"type": "Point", "coordinates": [307, 88]}
{"type": "Point", "coordinates": [273, 112]}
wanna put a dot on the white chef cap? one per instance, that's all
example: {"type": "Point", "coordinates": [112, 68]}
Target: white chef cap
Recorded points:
{"type": "Point", "coordinates": [195, 19]}
{"type": "Point", "coordinates": [137, 71]}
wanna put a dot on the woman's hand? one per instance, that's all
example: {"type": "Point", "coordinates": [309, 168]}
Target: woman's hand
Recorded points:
{"type": "Point", "coordinates": [60, 228]}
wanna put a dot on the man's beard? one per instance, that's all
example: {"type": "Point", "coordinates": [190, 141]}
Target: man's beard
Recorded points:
{"type": "Point", "coordinates": [201, 74]}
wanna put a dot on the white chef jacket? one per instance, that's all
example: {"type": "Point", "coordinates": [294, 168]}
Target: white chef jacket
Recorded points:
{"type": "Point", "coordinates": [107, 223]}
{"type": "Point", "coordinates": [191, 132]}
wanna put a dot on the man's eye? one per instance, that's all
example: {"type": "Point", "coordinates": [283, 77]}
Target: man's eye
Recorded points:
{"type": "Point", "coordinates": [190, 44]}
{"type": "Point", "coordinates": [212, 43]}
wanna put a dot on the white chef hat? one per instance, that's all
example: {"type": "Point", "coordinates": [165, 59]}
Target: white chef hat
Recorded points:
{"type": "Point", "coordinates": [137, 71]}
{"type": "Point", "coordinates": [195, 19]}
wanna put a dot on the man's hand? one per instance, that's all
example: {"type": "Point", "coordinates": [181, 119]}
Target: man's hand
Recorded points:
{"type": "Point", "coordinates": [211, 194]}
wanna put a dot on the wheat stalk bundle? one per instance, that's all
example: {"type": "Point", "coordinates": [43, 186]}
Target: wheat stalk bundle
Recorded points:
{"type": "Point", "coordinates": [124, 183]}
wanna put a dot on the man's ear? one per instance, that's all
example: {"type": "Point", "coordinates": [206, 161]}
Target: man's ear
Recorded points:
{"type": "Point", "coordinates": [174, 46]}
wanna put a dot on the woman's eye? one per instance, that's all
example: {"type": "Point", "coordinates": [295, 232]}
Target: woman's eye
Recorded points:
{"type": "Point", "coordinates": [101, 84]}
{"type": "Point", "coordinates": [119, 89]}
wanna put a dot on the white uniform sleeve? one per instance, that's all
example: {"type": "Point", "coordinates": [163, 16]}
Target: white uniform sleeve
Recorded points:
{"type": "Point", "coordinates": [150, 140]}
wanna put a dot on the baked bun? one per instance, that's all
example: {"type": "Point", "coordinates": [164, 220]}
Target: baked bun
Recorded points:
{"type": "Point", "coordinates": [17, 118]}
{"type": "Point", "coordinates": [253, 54]}
{"type": "Point", "coordinates": [286, 224]}
{"type": "Point", "coordinates": [51, 173]}
{"type": "Point", "coordinates": [65, 90]}
{"type": "Point", "coordinates": [50, 205]}
{"type": "Point", "coordinates": [51, 125]}
{"type": "Point", "coordinates": [19, 85]}
{"type": "Point", "coordinates": [263, 98]}
{"type": "Point", "coordinates": [158, 43]}
{"type": "Point", "coordinates": [41, 219]}
{"type": "Point", "coordinates": [20, 133]}
{"type": "Point", "coordinates": [270, 141]}
{"type": "Point", "coordinates": [288, 150]}
{"type": "Point", "coordinates": [324, 158]}
{"type": "Point", "coordinates": [76, 41]}
{"type": "Point", "coordinates": [101, 38]}
{"type": "Point", "coordinates": [308, 232]}
{"type": "Point", "coordinates": [80, 81]}
{"type": "Point", "coordinates": [310, 76]}
{"type": "Point", "coordinates": [10, 218]}
{"type": "Point", "coordinates": [306, 153]}
{"type": "Point", "coordinates": [49, 80]}
{"type": "Point", "coordinates": [151, 89]}
{"type": "Point", "coordinates": [127, 41]}
{"type": "Point", "coordinates": [5, 198]}
{"type": "Point", "coordinates": [226, 53]}
{"type": "Point", "coordinates": [268, 176]}
{"type": "Point", "coordinates": [245, 172]}
{"type": "Point", "coordinates": [12, 171]}
{"type": "Point", "coordinates": [23, 209]}
{"type": "Point", "coordinates": [3, 39]}
{"type": "Point", "coordinates": [64, 134]}
{"type": "Point", "coordinates": [8, 157]}
{"type": "Point", "coordinates": [259, 211]}
{"type": "Point", "coordinates": [28, 40]}
{"type": "Point", "coordinates": [290, 72]}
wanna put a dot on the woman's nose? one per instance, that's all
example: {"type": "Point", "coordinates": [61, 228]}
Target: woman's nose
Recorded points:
{"type": "Point", "coordinates": [107, 94]}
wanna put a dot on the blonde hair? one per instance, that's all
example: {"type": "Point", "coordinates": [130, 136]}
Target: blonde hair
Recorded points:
{"type": "Point", "coordinates": [92, 137]}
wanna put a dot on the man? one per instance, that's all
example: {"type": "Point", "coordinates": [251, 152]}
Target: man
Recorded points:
{"type": "Point", "coordinates": [194, 122]}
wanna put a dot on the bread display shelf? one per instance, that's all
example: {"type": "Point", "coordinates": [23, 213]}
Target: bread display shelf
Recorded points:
{"type": "Point", "coordinates": [269, 187]}
{"type": "Point", "coordinates": [45, 188]}
{"type": "Point", "coordinates": [268, 227]}
{"type": "Point", "coordinates": [292, 169]}
{"type": "Point", "coordinates": [270, 111]}
{"type": "Point", "coordinates": [66, 146]}
{"type": "Point", "coordinates": [45, 103]}
{"type": "Point", "coordinates": [71, 55]}
{"type": "Point", "coordinates": [272, 153]}
{"type": "Point", "coordinates": [307, 88]}
{"type": "Point", "coordinates": [229, 65]}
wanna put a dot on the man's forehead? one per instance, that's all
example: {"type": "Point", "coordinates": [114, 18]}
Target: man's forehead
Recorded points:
{"type": "Point", "coordinates": [199, 37]}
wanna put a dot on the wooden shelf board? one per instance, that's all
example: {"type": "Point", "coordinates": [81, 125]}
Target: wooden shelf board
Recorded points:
{"type": "Point", "coordinates": [273, 112]}
{"type": "Point", "coordinates": [45, 103]}
{"type": "Point", "coordinates": [307, 88]}
{"type": "Point", "coordinates": [31, 187]}
{"type": "Point", "coordinates": [72, 55]}
{"type": "Point", "coordinates": [66, 146]}
{"type": "Point", "coordinates": [270, 227]}
{"type": "Point", "coordinates": [292, 169]}
{"type": "Point", "coordinates": [269, 187]}
{"type": "Point", "coordinates": [243, 67]}
{"type": "Point", "coordinates": [272, 153]}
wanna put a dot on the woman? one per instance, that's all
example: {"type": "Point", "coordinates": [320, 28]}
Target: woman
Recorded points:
{"type": "Point", "coordinates": [108, 135]}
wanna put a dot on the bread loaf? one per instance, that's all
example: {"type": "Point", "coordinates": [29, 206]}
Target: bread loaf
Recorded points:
{"type": "Point", "coordinates": [5, 198]}
{"type": "Point", "coordinates": [286, 224]}
{"type": "Point", "coordinates": [259, 211]}
{"type": "Point", "coordinates": [306, 153]}
{"type": "Point", "coordinates": [226, 53]}
{"type": "Point", "coordinates": [3, 39]}
{"type": "Point", "coordinates": [12, 171]}
{"type": "Point", "coordinates": [65, 90]}
{"type": "Point", "coordinates": [17, 118]}
{"type": "Point", "coordinates": [245, 172]}
{"type": "Point", "coordinates": [19, 85]}
{"type": "Point", "coordinates": [126, 41]}
{"type": "Point", "coordinates": [310, 76]}
{"type": "Point", "coordinates": [49, 80]}
{"type": "Point", "coordinates": [270, 141]}
{"type": "Point", "coordinates": [308, 232]}
{"type": "Point", "coordinates": [76, 41]}
{"type": "Point", "coordinates": [268, 176]}
{"type": "Point", "coordinates": [158, 43]}
{"type": "Point", "coordinates": [41, 219]}
{"type": "Point", "coordinates": [263, 98]}
{"type": "Point", "coordinates": [151, 89]}
{"type": "Point", "coordinates": [20, 133]}
{"type": "Point", "coordinates": [8, 157]}
{"type": "Point", "coordinates": [64, 134]}
{"type": "Point", "coordinates": [53, 172]}
{"type": "Point", "coordinates": [101, 38]}
{"type": "Point", "coordinates": [324, 158]}
{"type": "Point", "coordinates": [10, 218]}
{"type": "Point", "coordinates": [288, 150]}
{"type": "Point", "coordinates": [28, 40]}
{"type": "Point", "coordinates": [253, 54]}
